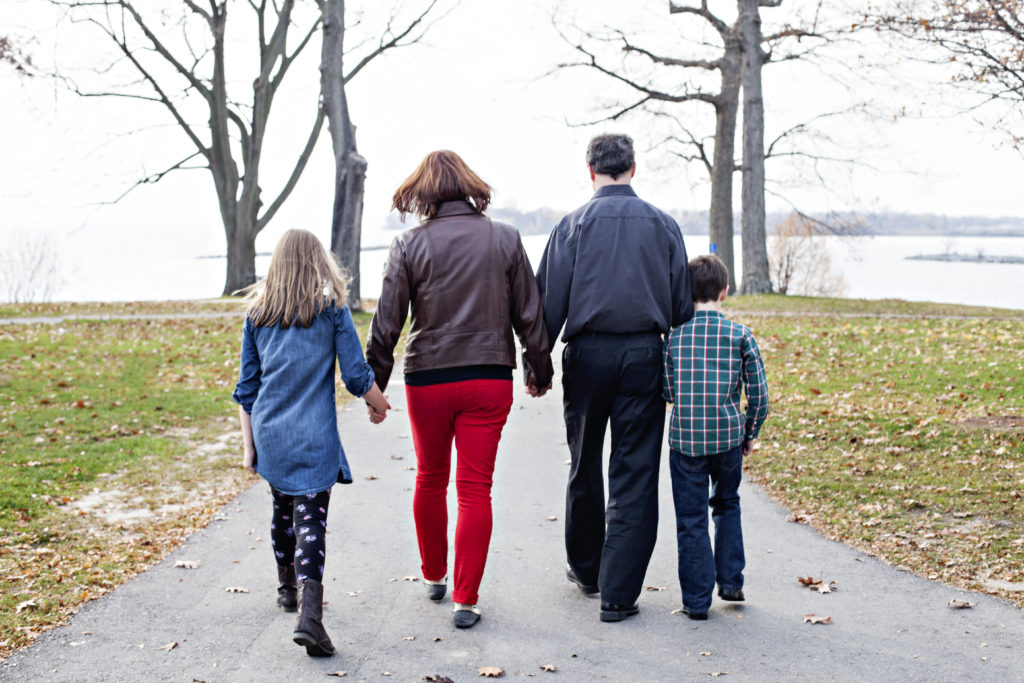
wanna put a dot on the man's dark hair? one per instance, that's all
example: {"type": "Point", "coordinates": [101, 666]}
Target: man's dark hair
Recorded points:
{"type": "Point", "coordinates": [611, 154]}
{"type": "Point", "coordinates": [709, 277]}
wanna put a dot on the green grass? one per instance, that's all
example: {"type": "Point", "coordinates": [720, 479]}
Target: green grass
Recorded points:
{"type": "Point", "coordinates": [903, 437]}
{"type": "Point", "coordinates": [778, 303]}
{"type": "Point", "coordinates": [99, 420]}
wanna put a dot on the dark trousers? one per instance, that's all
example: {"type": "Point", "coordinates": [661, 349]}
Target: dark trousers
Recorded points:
{"type": "Point", "coordinates": [613, 379]}
{"type": "Point", "coordinates": [700, 566]}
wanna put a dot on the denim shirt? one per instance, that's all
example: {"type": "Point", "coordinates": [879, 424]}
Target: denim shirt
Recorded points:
{"type": "Point", "coordinates": [286, 383]}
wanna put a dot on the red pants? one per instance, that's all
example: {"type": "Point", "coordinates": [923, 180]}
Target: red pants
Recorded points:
{"type": "Point", "coordinates": [473, 412]}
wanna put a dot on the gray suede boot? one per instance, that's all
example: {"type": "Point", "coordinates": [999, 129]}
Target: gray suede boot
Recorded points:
{"type": "Point", "coordinates": [287, 589]}
{"type": "Point", "coordinates": [309, 629]}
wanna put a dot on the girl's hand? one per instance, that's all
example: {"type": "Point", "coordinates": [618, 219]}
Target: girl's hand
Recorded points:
{"type": "Point", "coordinates": [375, 417]}
{"type": "Point", "coordinates": [249, 460]}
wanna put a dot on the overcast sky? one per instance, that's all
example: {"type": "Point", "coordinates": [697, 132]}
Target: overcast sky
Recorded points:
{"type": "Point", "coordinates": [475, 85]}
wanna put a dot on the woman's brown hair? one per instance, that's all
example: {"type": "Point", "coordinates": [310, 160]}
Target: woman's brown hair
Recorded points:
{"type": "Point", "coordinates": [442, 176]}
{"type": "Point", "coordinates": [302, 280]}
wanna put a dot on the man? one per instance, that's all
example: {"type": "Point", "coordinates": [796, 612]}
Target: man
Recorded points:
{"type": "Point", "coordinates": [615, 274]}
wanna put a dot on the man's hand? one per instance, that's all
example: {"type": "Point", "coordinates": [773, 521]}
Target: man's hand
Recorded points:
{"type": "Point", "coordinates": [750, 446]}
{"type": "Point", "coordinates": [533, 390]}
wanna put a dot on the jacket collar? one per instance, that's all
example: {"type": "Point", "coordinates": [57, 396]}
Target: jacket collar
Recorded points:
{"type": "Point", "coordinates": [457, 207]}
{"type": "Point", "coordinates": [610, 190]}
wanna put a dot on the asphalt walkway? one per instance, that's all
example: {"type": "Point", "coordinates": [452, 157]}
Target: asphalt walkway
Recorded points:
{"type": "Point", "coordinates": [886, 624]}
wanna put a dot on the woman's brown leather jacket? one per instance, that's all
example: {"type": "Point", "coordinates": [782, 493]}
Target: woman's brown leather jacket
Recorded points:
{"type": "Point", "coordinates": [470, 285]}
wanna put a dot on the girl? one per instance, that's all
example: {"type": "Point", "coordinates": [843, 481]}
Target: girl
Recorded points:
{"type": "Point", "coordinates": [295, 327]}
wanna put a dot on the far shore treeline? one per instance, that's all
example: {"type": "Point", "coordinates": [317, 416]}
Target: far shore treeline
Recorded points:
{"type": "Point", "coordinates": [540, 222]}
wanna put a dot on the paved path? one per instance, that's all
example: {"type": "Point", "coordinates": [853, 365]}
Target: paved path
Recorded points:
{"type": "Point", "coordinates": [887, 624]}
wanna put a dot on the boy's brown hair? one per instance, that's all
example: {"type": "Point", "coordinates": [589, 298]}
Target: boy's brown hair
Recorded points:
{"type": "Point", "coordinates": [709, 277]}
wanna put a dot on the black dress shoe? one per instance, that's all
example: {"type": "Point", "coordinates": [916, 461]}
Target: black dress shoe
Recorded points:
{"type": "Point", "coordinates": [612, 612]}
{"type": "Point", "coordinates": [696, 616]}
{"type": "Point", "coordinates": [731, 596]}
{"type": "Point", "coordinates": [587, 589]}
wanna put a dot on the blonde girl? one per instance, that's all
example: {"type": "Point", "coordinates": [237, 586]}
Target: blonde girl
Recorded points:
{"type": "Point", "coordinates": [295, 328]}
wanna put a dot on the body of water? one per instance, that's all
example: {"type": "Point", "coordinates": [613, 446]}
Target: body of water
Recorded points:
{"type": "Point", "coordinates": [872, 267]}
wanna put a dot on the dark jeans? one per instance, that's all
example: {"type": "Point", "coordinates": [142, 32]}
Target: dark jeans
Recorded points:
{"type": "Point", "coordinates": [613, 379]}
{"type": "Point", "coordinates": [699, 567]}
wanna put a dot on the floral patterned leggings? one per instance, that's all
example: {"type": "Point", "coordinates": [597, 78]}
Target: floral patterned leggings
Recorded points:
{"type": "Point", "coordinates": [297, 532]}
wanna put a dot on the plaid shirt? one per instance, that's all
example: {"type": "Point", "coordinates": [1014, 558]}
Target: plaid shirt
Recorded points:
{"type": "Point", "coordinates": [706, 360]}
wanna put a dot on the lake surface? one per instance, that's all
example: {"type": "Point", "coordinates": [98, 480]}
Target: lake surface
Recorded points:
{"type": "Point", "coordinates": [873, 268]}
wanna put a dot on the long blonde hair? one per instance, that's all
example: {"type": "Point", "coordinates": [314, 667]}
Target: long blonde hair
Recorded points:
{"type": "Point", "coordinates": [302, 280]}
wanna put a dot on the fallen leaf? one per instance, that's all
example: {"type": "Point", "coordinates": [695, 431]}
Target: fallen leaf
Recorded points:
{"type": "Point", "coordinates": [369, 477]}
{"type": "Point", "coordinates": [655, 588]}
{"type": "Point", "coordinates": [552, 518]}
{"type": "Point", "coordinates": [716, 674]}
{"type": "Point", "coordinates": [169, 646]}
{"type": "Point", "coordinates": [409, 638]}
{"type": "Point", "coordinates": [339, 674]}
{"type": "Point", "coordinates": [397, 457]}
{"type": "Point", "coordinates": [438, 639]}
{"type": "Point", "coordinates": [955, 603]}
{"type": "Point", "coordinates": [705, 654]}
{"type": "Point", "coordinates": [385, 673]}
{"type": "Point", "coordinates": [86, 633]}
{"type": "Point", "coordinates": [825, 587]}
{"type": "Point", "coordinates": [808, 581]}
{"type": "Point", "coordinates": [353, 594]}
{"type": "Point", "coordinates": [810, 618]}
{"type": "Point", "coordinates": [25, 605]}
{"type": "Point", "coordinates": [438, 678]}
{"type": "Point", "coordinates": [548, 667]}
{"type": "Point", "coordinates": [490, 672]}
{"type": "Point", "coordinates": [410, 578]}
{"type": "Point", "coordinates": [236, 589]}
{"type": "Point", "coordinates": [187, 564]}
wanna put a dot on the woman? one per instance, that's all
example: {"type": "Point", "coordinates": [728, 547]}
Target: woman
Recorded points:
{"type": "Point", "coordinates": [470, 285]}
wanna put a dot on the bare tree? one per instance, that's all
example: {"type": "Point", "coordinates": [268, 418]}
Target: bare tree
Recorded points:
{"type": "Point", "coordinates": [799, 259]}
{"type": "Point", "coordinates": [350, 166]}
{"type": "Point", "coordinates": [738, 39]}
{"type": "Point", "coordinates": [981, 42]}
{"type": "Point", "coordinates": [29, 269]}
{"type": "Point", "coordinates": [720, 161]}
{"type": "Point", "coordinates": [177, 59]}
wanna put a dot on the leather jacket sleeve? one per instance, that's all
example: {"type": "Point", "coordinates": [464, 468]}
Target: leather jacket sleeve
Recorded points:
{"type": "Point", "coordinates": [527, 315]}
{"type": "Point", "coordinates": [388, 320]}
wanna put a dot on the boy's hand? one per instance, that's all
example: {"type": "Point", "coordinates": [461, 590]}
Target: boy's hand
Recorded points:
{"type": "Point", "coordinates": [750, 446]}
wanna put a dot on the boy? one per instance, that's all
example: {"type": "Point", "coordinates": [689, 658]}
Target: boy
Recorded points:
{"type": "Point", "coordinates": [706, 361]}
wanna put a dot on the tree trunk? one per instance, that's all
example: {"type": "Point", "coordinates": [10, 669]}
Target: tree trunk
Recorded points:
{"type": "Point", "coordinates": [346, 221]}
{"type": "Point", "coordinates": [349, 166]}
{"type": "Point", "coordinates": [724, 161]}
{"type": "Point", "coordinates": [241, 269]}
{"type": "Point", "coordinates": [756, 278]}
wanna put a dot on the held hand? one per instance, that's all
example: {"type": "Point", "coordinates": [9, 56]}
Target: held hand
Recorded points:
{"type": "Point", "coordinates": [375, 417]}
{"type": "Point", "coordinates": [249, 460]}
{"type": "Point", "coordinates": [750, 446]}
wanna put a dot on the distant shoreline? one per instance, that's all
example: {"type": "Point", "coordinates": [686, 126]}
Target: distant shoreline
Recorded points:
{"type": "Point", "coordinates": [966, 258]}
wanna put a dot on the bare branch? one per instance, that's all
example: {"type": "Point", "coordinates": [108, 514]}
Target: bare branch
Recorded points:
{"type": "Point", "coordinates": [300, 165]}
{"type": "Point", "coordinates": [395, 40]}
{"type": "Point", "coordinates": [702, 11]}
{"type": "Point", "coordinates": [156, 177]}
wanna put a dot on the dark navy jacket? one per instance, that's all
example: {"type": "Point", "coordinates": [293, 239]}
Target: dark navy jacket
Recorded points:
{"type": "Point", "coordinates": [615, 265]}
